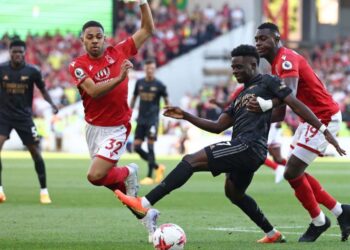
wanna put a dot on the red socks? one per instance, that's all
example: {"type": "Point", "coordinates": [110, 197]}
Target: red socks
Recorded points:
{"type": "Point", "coordinates": [270, 163]}
{"type": "Point", "coordinates": [284, 162]}
{"type": "Point", "coordinates": [321, 195]}
{"type": "Point", "coordinates": [114, 179]}
{"type": "Point", "coordinates": [305, 195]}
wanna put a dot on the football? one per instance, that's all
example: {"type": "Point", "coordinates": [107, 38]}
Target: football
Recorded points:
{"type": "Point", "coordinates": [169, 237]}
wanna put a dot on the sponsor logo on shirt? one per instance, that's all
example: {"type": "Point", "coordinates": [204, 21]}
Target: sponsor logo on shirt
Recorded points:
{"type": "Point", "coordinates": [23, 78]}
{"type": "Point", "coordinates": [109, 59]}
{"type": "Point", "coordinates": [103, 74]}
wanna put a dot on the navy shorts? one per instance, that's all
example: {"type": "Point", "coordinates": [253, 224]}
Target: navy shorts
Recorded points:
{"type": "Point", "coordinates": [234, 158]}
{"type": "Point", "coordinates": [25, 129]}
{"type": "Point", "coordinates": [146, 131]}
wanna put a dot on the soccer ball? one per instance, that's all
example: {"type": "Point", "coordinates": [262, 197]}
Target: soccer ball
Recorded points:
{"type": "Point", "coordinates": [169, 237]}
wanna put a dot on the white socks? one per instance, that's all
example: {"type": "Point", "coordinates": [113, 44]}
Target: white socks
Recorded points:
{"type": "Point", "coordinates": [44, 191]}
{"type": "Point", "coordinates": [1, 189]}
{"type": "Point", "coordinates": [271, 233]}
{"type": "Point", "coordinates": [337, 210]}
{"type": "Point", "coordinates": [145, 203]}
{"type": "Point", "coordinates": [320, 220]}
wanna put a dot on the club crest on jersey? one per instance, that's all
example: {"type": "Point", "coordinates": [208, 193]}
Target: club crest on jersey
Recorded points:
{"type": "Point", "coordinates": [103, 74]}
{"type": "Point", "coordinates": [287, 65]}
{"type": "Point", "coordinates": [79, 73]}
{"type": "Point", "coordinates": [109, 59]}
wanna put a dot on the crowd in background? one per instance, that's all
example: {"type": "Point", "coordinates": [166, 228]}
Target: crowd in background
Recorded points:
{"type": "Point", "coordinates": [331, 63]}
{"type": "Point", "coordinates": [178, 31]}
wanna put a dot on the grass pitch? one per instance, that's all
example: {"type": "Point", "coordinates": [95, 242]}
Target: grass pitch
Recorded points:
{"type": "Point", "coordinates": [86, 217]}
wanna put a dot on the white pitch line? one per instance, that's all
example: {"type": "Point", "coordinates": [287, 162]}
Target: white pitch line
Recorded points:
{"type": "Point", "coordinates": [245, 230]}
{"type": "Point", "coordinates": [278, 227]}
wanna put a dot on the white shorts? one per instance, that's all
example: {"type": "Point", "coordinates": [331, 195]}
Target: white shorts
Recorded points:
{"type": "Point", "coordinates": [108, 143]}
{"type": "Point", "coordinates": [274, 138]}
{"type": "Point", "coordinates": [308, 143]}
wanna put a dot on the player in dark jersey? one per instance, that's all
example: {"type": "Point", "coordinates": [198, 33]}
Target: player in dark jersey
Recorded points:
{"type": "Point", "coordinates": [308, 142]}
{"type": "Point", "coordinates": [274, 147]}
{"type": "Point", "coordinates": [240, 157]}
{"type": "Point", "coordinates": [17, 80]}
{"type": "Point", "coordinates": [150, 91]}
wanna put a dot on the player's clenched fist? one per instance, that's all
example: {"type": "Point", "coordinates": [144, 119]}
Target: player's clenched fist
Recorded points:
{"type": "Point", "coordinates": [173, 112]}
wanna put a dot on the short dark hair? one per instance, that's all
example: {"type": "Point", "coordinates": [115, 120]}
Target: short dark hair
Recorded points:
{"type": "Point", "coordinates": [17, 42]}
{"type": "Point", "coordinates": [92, 24]}
{"type": "Point", "coordinates": [270, 26]}
{"type": "Point", "coordinates": [246, 50]}
{"type": "Point", "coordinates": [149, 61]}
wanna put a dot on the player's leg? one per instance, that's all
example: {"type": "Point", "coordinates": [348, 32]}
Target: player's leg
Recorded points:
{"type": "Point", "coordinates": [39, 165]}
{"type": "Point", "coordinates": [278, 161]}
{"type": "Point", "coordinates": [175, 179]}
{"type": "Point", "coordinates": [294, 174]}
{"type": "Point", "coordinates": [275, 152]}
{"type": "Point", "coordinates": [340, 211]}
{"type": "Point", "coordinates": [308, 145]}
{"type": "Point", "coordinates": [26, 130]}
{"type": "Point", "coordinates": [235, 187]}
{"type": "Point", "coordinates": [216, 158]}
{"type": "Point", "coordinates": [141, 207]}
{"type": "Point", "coordinates": [159, 168]}
{"type": "Point", "coordinates": [140, 134]}
{"type": "Point", "coordinates": [5, 130]}
{"type": "Point", "coordinates": [274, 147]}
{"type": "Point", "coordinates": [2, 193]}
{"type": "Point", "coordinates": [106, 145]}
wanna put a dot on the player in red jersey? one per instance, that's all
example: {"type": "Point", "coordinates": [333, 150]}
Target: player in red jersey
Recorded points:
{"type": "Point", "coordinates": [273, 141]}
{"type": "Point", "coordinates": [308, 142]}
{"type": "Point", "coordinates": [101, 77]}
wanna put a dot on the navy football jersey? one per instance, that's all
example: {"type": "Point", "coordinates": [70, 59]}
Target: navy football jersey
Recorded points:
{"type": "Point", "coordinates": [150, 93]}
{"type": "Point", "coordinates": [16, 90]}
{"type": "Point", "coordinates": [250, 127]}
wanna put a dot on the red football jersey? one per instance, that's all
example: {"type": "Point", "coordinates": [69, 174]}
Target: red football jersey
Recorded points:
{"type": "Point", "coordinates": [111, 109]}
{"type": "Point", "coordinates": [310, 90]}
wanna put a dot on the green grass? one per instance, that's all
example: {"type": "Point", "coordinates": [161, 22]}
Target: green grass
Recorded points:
{"type": "Point", "coordinates": [86, 217]}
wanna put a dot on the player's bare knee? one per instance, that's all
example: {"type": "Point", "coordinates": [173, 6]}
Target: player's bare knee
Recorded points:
{"type": "Point", "coordinates": [94, 178]}
{"type": "Point", "coordinates": [289, 174]}
{"type": "Point", "coordinates": [189, 159]}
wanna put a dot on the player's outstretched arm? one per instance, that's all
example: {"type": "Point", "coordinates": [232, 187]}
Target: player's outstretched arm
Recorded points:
{"type": "Point", "coordinates": [221, 105]}
{"type": "Point", "coordinates": [101, 89]}
{"type": "Point", "coordinates": [304, 112]}
{"type": "Point", "coordinates": [223, 123]}
{"type": "Point", "coordinates": [278, 113]}
{"type": "Point", "coordinates": [147, 24]}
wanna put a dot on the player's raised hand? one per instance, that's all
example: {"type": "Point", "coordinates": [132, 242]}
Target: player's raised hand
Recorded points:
{"type": "Point", "coordinates": [124, 69]}
{"type": "Point", "coordinates": [253, 105]}
{"type": "Point", "coordinates": [173, 112]}
{"type": "Point", "coordinates": [330, 138]}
